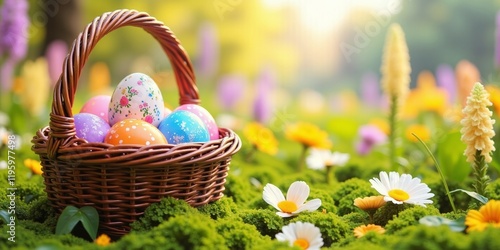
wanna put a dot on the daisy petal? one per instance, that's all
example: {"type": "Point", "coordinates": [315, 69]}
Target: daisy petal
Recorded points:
{"type": "Point", "coordinates": [310, 206]}
{"type": "Point", "coordinates": [298, 192]}
{"type": "Point", "coordinates": [272, 195]}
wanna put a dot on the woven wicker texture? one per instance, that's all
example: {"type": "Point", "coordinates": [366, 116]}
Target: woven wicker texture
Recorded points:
{"type": "Point", "coordinates": [122, 181]}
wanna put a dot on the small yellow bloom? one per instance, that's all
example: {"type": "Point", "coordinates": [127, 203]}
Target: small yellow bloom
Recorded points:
{"type": "Point", "coordinates": [33, 86]}
{"type": "Point", "coordinates": [494, 97]}
{"type": "Point", "coordinates": [261, 137]}
{"type": "Point", "coordinates": [382, 124]}
{"type": "Point", "coordinates": [370, 203]}
{"type": "Point", "coordinates": [477, 125]}
{"type": "Point", "coordinates": [102, 240]}
{"type": "Point", "coordinates": [425, 97]}
{"type": "Point", "coordinates": [34, 166]}
{"type": "Point", "coordinates": [363, 230]}
{"type": "Point", "coordinates": [488, 215]}
{"type": "Point", "coordinates": [308, 134]}
{"type": "Point", "coordinates": [99, 79]}
{"type": "Point", "coordinates": [395, 64]}
{"type": "Point", "coordinates": [419, 130]}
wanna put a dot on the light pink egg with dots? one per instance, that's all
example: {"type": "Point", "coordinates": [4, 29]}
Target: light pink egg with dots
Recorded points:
{"type": "Point", "coordinates": [167, 112]}
{"type": "Point", "coordinates": [97, 105]}
{"type": "Point", "coordinates": [205, 116]}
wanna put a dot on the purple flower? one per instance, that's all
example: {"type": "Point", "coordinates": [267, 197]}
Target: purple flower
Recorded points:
{"type": "Point", "coordinates": [497, 41]}
{"type": "Point", "coordinates": [55, 54]}
{"type": "Point", "coordinates": [208, 59]}
{"type": "Point", "coordinates": [370, 92]}
{"type": "Point", "coordinates": [230, 90]}
{"type": "Point", "coordinates": [13, 37]}
{"type": "Point", "coordinates": [262, 106]}
{"type": "Point", "coordinates": [370, 136]}
{"type": "Point", "coordinates": [445, 76]}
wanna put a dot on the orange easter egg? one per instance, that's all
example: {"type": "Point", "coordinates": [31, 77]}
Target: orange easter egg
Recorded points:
{"type": "Point", "coordinates": [134, 131]}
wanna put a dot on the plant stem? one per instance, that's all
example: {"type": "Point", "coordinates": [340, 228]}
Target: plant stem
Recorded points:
{"type": "Point", "coordinates": [392, 133]}
{"type": "Point", "coordinates": [439, 171]}
{"type": "Point", "coordinates": [300, 165]}
{"type": "Point", "coordinates": [329, 174]}
{"type": "Point", "coordinates": [480, 172]}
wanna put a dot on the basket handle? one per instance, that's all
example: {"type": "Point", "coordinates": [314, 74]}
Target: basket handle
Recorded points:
{"type": "Point", "coordinates": [62, 126]}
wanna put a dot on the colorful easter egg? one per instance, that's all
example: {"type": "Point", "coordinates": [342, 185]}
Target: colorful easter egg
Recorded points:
{"type": "Point", "coordinates": [183, 126]}
{"type": "Point", "coordinates": [134, 131]}
{"type": "Point", "coordinates": [167, 112]}
{"type": "Point", "coordinates": [205, 117]}
{"type": "Point", "coordinates": [136, 97]}
{"type": "Point", "coordinates": [97, 105]}
{"type": "Point", "coordinates": [90, 127]}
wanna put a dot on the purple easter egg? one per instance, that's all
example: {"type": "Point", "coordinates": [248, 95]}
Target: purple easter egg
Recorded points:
{"type": "Point", "coordinates": [91, 127]}
{"type": "Point", "coordinates": [205, 117]}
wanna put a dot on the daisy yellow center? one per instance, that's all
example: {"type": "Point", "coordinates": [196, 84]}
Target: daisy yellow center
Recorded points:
{"type": "Point", "coordinates": [399, 195]}
{"type": "Point", "coordinates": [287, 206]}
{"type": "Point", "coordinates": [302, 243]}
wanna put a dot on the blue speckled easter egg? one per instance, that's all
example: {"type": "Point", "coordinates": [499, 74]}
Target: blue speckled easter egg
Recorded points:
{"type": "Point", "coordinates": [90, 127]}
{"type": "Point", "coordinates": [183, 126]}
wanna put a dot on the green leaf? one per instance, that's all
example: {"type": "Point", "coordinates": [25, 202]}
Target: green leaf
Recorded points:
{"type": "Point", "coordinates": [90, 220]}
{"type": "Point", "coordinates": [5, 216]}
{"type": "Point", "coordinates": [474, 195]}
{"type": "Point", "coordinates": [67, 220]}
{"type": "Point", "coordinates": [434, 220]}
{"type": "Point", "coordinates": [450, 154]}
{"type": "Point", "coordinates": [72, 215]}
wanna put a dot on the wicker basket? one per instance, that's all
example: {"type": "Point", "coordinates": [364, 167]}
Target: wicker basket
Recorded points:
{"type": "Point", "coordinates": [122, 181]}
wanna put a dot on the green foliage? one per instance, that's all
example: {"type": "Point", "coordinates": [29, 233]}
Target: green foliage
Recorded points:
{"type": "Point", "coordinates": [240, 235]}
{"type": "Point", "coordinates": [327, 202]}
{"type": "Point", "coordinates": [266, 221]}
{"type": "Point", "coordinates": [485, 240]}
{"type": "Point", "coordinates": [71, 215]}
{"type": "Point", "coordinates": [492, 191]}
{"type": "Point", "coordinates": [348, 191]}
{"type": "Point", "coordinates": [388, 212]}
{"type": "Point", "coordinates": [356, 219]}
{"type": "Point", "coordinates": [186, 231]}
{"type": "Point", "coordinates": [430, 238]}
{"type": "Point", "coordinates": [162, 211]}
{"type": "Point", "coordinates": [333, 227]}
{"type": "Point", "coordinates": [356, 171]}
{"type": "Point", "coordinates": [441, 200]}
{"type": "Point", "coordinates": [222, 208]}
{"type": "Point", "coordinates": [28, 198]}
{"type": "Point", "coordinates": [408, 217]}
{"type": "Point", "coordinates": [454, 166]}
{"type": "Point", "coordinates": [239, 189]}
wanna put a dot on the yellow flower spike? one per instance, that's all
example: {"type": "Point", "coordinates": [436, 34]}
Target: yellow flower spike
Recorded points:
{"type": "Point", "coordinates": [34, 166]}
{"type": "Point", "coordinates": [35, 85]}
{"type": "Point", "coordinates": [421, 131]}
{"type": "Point", "coordinates": [103, 240]}
{"type": "Point", "coordinates": [395, 64]}
{"type": "Point", "coordinates": [261, 137]}
{"type": "Point", "coordinates": [477, 129]}
{"type": "Point", "coordinates": [488, 215]}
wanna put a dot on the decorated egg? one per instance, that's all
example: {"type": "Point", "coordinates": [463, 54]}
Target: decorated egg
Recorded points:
{"type": "Point", "coordinates": [97, 105]}
{"type": "Point", "coordinates": [182, 126]}
{"type": "Point", "coordinates": [167, 112]}
{"type": "Point", "coordinates": [134, 131]}
{"type": "Point", "coordinates": [136, 97]}
{"type": "Point", "coordinates": [90, 127]}
{"type": "Point", "coordinates": [205, 117]}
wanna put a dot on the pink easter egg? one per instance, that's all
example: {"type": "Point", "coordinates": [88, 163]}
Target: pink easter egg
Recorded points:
{"type": "Point", "coordinates": [205, 117]}
{"type": "Point", "coordinates": [97, 105]}
{"type": "Point", "coordinates": [166, 112]}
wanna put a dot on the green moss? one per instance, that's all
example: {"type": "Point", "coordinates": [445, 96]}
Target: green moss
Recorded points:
{"type": "Point", "coordinates": [354, 171]}
{"type": "Point", "coordinates": [408, 217]}
{"type": "Point", "coordinates": [348, 191]}
{"type": "Point", "coordinates": [356, 219]}
{"type": "Point", "coordinates": [239, 189]}
{"type": "Point", "coordinates": [188, 231]}
{"type": "Point", "coordinates": [162, 211]}
{"type": "Point", "coordinates": [493, 190]}
{"type": "Point", "coordinates": [333, 228]}
{"type": "Point", "coordinates": [441, 200]}
{"type": "Point", "coordinates": [327, 202]}
{"type": "Point", "coordinates": [222, 208]}
{"type": "Point", "coordinates": [485, 240]}
{"type": "Point", "coordinates": [266, 221]}
{"type": "Point", "coordinates": [388, 212]}
{"type": "Point", "coordinates": [240, 235]}
{"type": "Point", "coordinates": [430, 238]}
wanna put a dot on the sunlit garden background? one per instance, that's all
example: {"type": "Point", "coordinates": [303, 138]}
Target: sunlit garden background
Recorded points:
{"type": "Point", "coordinates": [326, 96]}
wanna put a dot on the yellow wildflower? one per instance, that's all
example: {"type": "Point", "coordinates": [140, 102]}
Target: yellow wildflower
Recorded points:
{"type": "Point", "coordinates": [99, 79]}
{"type": "Point", "coordinates": [34, 166]}
{"type": "Point", "coordinates": [477, 129]}
{"type": "Point", "coordinates": [419, 130]}
{"type": "Point", "coordinates": [488, 215]}
{"type": "Point", "coordinates": [261, 137]}
{"type": "Point", "coordinates": [395, 64]}
{"type": "Point", "coordinates": [363, 230]}
{"type": "Point", "coordinates": [425, 97]}
{"type": "Point", "coordinates": [370, 203]}
{"type": "Point", "coordinates": [33, 86]}
{"type": "Point", "coordinates": [102, 240]}
{"type": "Point", "coordinates": [494, 97]}
{"type": "Point", "coordinates": [308, 135]}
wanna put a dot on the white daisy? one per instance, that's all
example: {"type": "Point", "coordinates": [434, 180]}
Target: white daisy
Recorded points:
{"type": "Point", "coordinates": [295, 197]}
{"type": "Point", "coordinates": [402, 189]}
{"type": "Point", "coordinates": [321, 158]}
{"type": "Point", "coordinates": [302, 234]}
